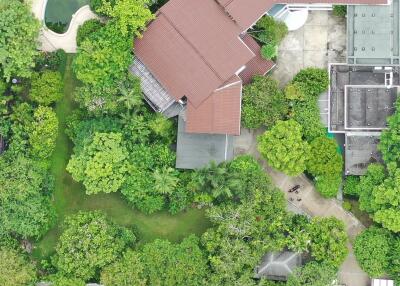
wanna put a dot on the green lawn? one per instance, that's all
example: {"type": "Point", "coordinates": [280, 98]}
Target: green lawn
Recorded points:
{"type": "Point", "coordinates": [70, 196]}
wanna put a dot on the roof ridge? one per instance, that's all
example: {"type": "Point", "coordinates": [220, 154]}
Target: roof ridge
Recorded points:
{"type": "Point", "coordinates": [193, 47]}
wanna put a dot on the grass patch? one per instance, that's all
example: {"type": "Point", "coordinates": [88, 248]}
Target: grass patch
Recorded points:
{"type": "Point", "coordinates": [70, 197]}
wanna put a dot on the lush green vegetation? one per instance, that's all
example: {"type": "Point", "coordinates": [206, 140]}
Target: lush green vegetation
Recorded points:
{"type": "Point", "coordinates": [269, 32]}
{"type": "Point", "coordinates": [18, 39]}
{"type": "Point", "coordinates": [299, 144]}
{"type": "Point", "coordinates": [93, 188]}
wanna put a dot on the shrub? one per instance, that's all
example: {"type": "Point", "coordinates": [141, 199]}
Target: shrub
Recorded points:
{"type": "Point", "coordinates": [271, 31]}
{"type": "Point", "coordinates": [314, 81]}
{"type": "Point", "coordinates": [263, 103]}
{"type": "Point", "coordinates": [269, 51]}
{"type": "Point", "coordinates": [351, 187]}
{"type": "Point", "coordinates": [347, 206]}
{"type": "Point", "coordinates": [52, 61]}
{"type": "Point", "coordinates": [46, 87]}
{"type": "Point", "coordinates": [284, 148]}
{"type": "Point", "coordinates": [324, 158]}
{"type": "Point", "coordinates": [328, 185]}
{"type": "Point", "coordinates": [88, 28]}
{"type": "Point", "coordinates": [340, 10]}
{"type": "Point", "coordinates": [372, 249]}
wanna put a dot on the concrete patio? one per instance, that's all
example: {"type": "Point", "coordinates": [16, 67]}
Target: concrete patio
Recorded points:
{"type": "Point", "coordinates": [320, 41]}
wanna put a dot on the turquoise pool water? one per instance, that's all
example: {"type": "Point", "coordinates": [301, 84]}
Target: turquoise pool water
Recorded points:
{"type": "Point", "coordinates": [59, 13]}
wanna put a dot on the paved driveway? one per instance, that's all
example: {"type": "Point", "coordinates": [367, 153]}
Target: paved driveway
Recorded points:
{"type": "Point", "coordinates": [311, 203]}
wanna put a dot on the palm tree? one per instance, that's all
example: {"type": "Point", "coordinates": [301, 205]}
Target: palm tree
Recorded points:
{"type": "Point", "coordinates": [131, 95]}
{"type": "Point", "coordinates": [166, 180]}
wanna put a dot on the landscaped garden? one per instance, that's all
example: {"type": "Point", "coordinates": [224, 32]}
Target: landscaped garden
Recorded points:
{"type": "Point", "coordinates": [89, 189]}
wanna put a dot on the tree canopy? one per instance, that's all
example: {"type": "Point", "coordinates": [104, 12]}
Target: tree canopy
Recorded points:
{"type": "Point", "coordinates": [15, 270]}
{"type": "Point", "coordinates": [313, 274]}
{"type": "Point", "coordinates": [46, 87]}
{"type": "Point", "coordinates": [18, 38]}
{"type": "Point", "coordinates": [263, 103]}
{"type": "Point", "coordinates": [284, 148]}
{"type": "Point", "coordinates": [101, 165]}
{"type": "Point", "coordinates": [88, 243]}
{"type": "Point", "coordinates": [372, 249]}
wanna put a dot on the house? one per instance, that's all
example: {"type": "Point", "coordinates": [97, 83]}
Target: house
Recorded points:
{"type": "Point", "coordinates": [278, 266]}
{"type": "Point", "coordinates": [363, 91]}
{"type": "Point", "coordinates": [194, 58]}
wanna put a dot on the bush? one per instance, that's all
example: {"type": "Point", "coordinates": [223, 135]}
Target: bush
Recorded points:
{"type": "Point", "coordinates": [313, 81]}
{"type": "Point", "coordinates": [340, 10]}
{"type": "Point", "coordinates": [347, 206]}
{"type": "Point", "coordinates": [284, 148]}
{"type": "Point", "coordinates": [88, 28]}
{"type": "Point", "coordinates": [372, 249]}
{"type": "Point", "coordinates": [324, 158]}
{"type": "Point", "coordinates": [351, 187]}
{"type": "Point", "coordinates": [263, 103]}
{"type": "Point", "coordinates": [269, 51]}
{"type": "Point", "coordinates": [52, 61]}
{"type": "Point", "coordinates": [46, 87]}
{"type": "Point", "coordinates": [270, 31]}
{"type": "Point", "coordinates": [328, 186]}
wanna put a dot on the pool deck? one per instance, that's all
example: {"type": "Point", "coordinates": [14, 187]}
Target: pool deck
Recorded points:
{"type": "Point", "coordinates": [50, 41]}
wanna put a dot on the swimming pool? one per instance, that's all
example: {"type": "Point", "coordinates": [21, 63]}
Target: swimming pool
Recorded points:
{"type": "Point", "coordinates": [59, 13]}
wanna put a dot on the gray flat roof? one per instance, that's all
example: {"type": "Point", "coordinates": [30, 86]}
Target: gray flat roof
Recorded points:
{"type": "Point", "coordinates": [198, 150]}
{"type": "Point", "coordinates": [359, 96]}
{"type": "Point", "coordinates": [373, 34]}
{"type": "Point", "coordinates": [368, 107]}
{"type": "Point", "coordinates": [361, 150]}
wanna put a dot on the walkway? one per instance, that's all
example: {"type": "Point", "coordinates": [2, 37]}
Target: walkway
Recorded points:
{"type": "Point", "coordinates": [350, 274]}
{"type": "Point", "coordinates": [51, 41]}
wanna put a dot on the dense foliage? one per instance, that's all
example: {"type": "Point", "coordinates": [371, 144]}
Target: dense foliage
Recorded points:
{"type": "Point", "coordinates": [263, 103]}
{"type": "Point", "coordinates": [101, 165]}
{"type": "Point", "coordinates": [15, 270]}
{"type": "Point", "coordinates": [86, 29]}
{"type": "Point", "coordinates": [372, 249]}
{"type": "Point", "coordinates": [46, 87]}
{"type": "Point", "coordinates": [312, 274]}
{"type": "Point", "coordinates": [103, 57]}
{"type": "Point", "coordinates": [19, 30]}
{"type": "Point", "coordinates": [284, 148]}
{"type": "Point", "coordinates": [270, 33]}
{"type": "Point", "coordinates": [88, 243]}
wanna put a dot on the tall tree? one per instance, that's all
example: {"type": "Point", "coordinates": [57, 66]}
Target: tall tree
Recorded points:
{"type": "Point", "coordinates": [18, 38]}
{"type": "Point", "coordinates": [372, 249]}
{"type": "Point", "coordinates": [166, 264]}
{"type": "Point", "coordinates": [127, 271]}
{"type": "Point", "coordinates": [15, 270]}
{"type": "Point", "coordinates": [313, 274]}
{"type": "Point", "coordinates": [165, 180]}
{"type": "Point", "coordinates": [263, 103]}
{"type": "Point", "coordinates": [102, 165]}
{"type": "Point", "coordinates": [284, 148]}
{"type": "Point", "coordinates": [25, 207]}
{"type": "Point", "coordinates": [43, 132]}
{"type": "Point", "coordinates": [131, 16]}
{"type": "Point", "coordinates": [46, 87]}
{"type": "Point", "coordinates": [88, 243]}
{"type": "Point", "coordinates": [328, 240]}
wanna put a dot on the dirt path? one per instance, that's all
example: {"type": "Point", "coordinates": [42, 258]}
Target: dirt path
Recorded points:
{"type": "Point", "coordinates": [350, 274]}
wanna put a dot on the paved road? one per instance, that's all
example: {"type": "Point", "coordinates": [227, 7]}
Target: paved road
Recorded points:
{"type": "Point", "coordinates": [51, 41]}
{"type": "Point", "coordinates": [350, 274]}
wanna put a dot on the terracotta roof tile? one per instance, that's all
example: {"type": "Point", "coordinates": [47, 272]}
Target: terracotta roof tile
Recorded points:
{"type": "Point", "coordinates": [174, 63]}
{"type": "Point", "coordinates": [218, 114]}
{"type": "Point", "coordinates": [257, 65]}
{"type": "Point", "coordinates": [205, 25]}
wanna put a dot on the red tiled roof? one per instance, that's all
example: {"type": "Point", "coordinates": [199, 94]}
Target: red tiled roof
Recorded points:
{"type": "Point", "coordinates": [257, 65]}
{"type": "Point", "coordinates": [211, 33]}
{"type": "Point", "coordinates": [219, 113]}
{"type": "Point", "coordinates": [193, 49]}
